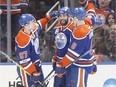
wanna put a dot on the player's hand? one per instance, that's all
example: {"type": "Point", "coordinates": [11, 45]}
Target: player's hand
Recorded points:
{"type": "Point", "coordinates": [52, 14]}
{"type": "Point", "coordinates": [59, 70]}
{"type": "Point", "coordinates": [35, 77]}
{"type": "Point", "coordinates": [94, 67]}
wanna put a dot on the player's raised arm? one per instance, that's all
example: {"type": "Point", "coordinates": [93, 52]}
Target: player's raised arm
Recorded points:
{"type": "Point", "coordinates": [90, 10]}
{"type": "Point", "coordinates": [42, 22]}
{"type": "Point", "coordinates": [28, 50]}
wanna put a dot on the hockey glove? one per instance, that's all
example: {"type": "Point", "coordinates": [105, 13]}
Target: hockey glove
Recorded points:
{"type": "Point", "coordinates": [52, 14]}
{"type": "Point", "coordinates": [94, 67]}
{"type": "Point", "coordinates": [35, 77]}
{"type": "Point", "coordinates": [59, 70]}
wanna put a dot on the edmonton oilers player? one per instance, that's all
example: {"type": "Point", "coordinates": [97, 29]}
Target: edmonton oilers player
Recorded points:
{"type": "Point", "coordinates": [28, 50]}
{"type": "Point", "coordinates": [80, 46]}
{"type": "Point", "coordinates": [62, 32]}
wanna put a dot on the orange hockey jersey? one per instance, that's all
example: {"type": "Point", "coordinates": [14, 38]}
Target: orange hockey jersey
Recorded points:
{"type": "Point", "coordinates": [100, 13]}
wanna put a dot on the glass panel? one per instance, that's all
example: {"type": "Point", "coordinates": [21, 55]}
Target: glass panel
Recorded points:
{"type": "Point", "coordinates": [3, 36]}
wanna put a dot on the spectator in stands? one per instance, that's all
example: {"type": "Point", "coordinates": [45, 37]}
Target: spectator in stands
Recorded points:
{"type": "Point", "coordinates": [110, 43]}
{"type": "Point", "coordinates": [113, 5]}
{"type": "Point", "coordinates": [101, 35]}
{"type": "Point", "coordinates": [110, 20]}
{"type": "Point", "coordinates": [99, 45]}
{"type": "Point", "coordinates": [102, 11]}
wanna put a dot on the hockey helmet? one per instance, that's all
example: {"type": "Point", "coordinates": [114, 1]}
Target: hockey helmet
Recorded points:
{"type": "Point", "coordinates": [64, 10]}
{"type": "Point", "coordinates": [25, 19]}
{"type": "Point", "coordinates": [80, 13]}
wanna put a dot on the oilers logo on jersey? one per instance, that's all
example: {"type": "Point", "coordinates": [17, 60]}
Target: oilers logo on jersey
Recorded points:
{"type": "Point", "coordinates": [61, 40]}
{"type": "Point", "coordinates": [100, 19]}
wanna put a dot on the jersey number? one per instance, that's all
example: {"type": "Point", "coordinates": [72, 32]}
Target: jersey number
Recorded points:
{"type": "Point", "coordinates": [23, 54]}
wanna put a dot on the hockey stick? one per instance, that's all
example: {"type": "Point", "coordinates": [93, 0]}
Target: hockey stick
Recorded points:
{"type": "Point", "coordinates": [45, 85]}
{"type": "Point", "coordinates": [48, 80]}
{"type": "Point", "coordinates": [84, 54]}
{"type": "Point", "coordinates": [80, 57]}
{"type": "Point", "coordinates": [48, 75]}
{"type": "Point", "coordinates": [14, 62]}
{"type": "Point", "coordinates": [18, 65]}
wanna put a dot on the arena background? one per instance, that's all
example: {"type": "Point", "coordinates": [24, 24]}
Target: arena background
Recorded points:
{"type": "Point", "coordinates": [105, 77]}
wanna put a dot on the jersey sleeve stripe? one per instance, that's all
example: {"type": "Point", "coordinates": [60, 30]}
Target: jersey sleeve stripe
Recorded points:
{"type": "Point", "coordinates": [39, 23]}
{"type": "Point", "coordinates": [26, 67]}
{"type": "Point", "coordinates": [42, 22]}
{"type": "Point", "coordinates": [30, 68]}
{"type": "Point", "coordinates": [71, 55]}
{"type": "Point", "coordinates": [66, 61]}
{"type": "Point", "coordinates": [72, 52]}
{"type": "Point", "coordinates": [92, 12]}
{"type": "Point", "coordinates": [70, 58]}
{"type": "Point", "coordinates": [24, 61]}
{"type": "Point", "coordinates": [37, 61]}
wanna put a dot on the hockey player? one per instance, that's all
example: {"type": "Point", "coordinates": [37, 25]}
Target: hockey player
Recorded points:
{"type": "Point", "coordinates": [79, 57]}
{"type": "Point", "coordinates": [28, 50]}
{"type": "Point", "coordinates": [62, 33]}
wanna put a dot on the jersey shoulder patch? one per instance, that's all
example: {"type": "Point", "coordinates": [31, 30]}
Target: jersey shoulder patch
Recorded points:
{"type": "Point", "coordinates": [81, 31]}
{"type": "Point", "coordinates": [22, 39]}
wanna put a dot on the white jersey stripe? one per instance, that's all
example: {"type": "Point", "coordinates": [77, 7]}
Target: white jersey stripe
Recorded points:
{"type": "Point", "coordinates": [28, 65]}
{"type": "Point", "coordinates": [74, 53]}
{"type": "Point", "coordinates": [24, 61]}
{"type": "Point", "coordinates": [69, 58]}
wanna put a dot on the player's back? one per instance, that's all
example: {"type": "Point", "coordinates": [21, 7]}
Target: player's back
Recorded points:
{"type": "Point", "coordinates": [82, 35]}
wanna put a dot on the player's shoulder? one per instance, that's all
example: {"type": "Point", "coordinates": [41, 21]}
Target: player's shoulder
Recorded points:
{"type": "Point", "coordinates": [22, 39]}
{"type": "Point", "coordinates": [71, 26]}
{"type": "Point", "coordinates": [81, 31]}
{"type": "Point", "coordinates": [57, 25]}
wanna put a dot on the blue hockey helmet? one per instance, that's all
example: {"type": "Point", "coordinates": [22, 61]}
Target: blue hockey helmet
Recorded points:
{"type": "Point", "coordinates": [80, 13]}
{"type": "Point", "coordinates": [64, 10]}
{"type": "Point", "coordinates": [25, 19]}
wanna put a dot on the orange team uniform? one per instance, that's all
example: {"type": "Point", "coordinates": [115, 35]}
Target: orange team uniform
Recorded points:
{"type": "Point", "coordinates": [100, 13]}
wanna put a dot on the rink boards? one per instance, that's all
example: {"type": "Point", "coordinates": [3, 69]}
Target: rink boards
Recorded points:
{"type": "Point", "coordinates": [106, 75]}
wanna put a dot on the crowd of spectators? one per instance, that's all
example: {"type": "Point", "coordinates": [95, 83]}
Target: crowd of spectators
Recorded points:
{"type": "Point", "coordinates": [104, 34]}
{"type": "Point", "coordinates": [103, 43]}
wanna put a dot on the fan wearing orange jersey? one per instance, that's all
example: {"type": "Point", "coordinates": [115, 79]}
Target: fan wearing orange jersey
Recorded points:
{"type": "Point", "coordinates": [101, 12]}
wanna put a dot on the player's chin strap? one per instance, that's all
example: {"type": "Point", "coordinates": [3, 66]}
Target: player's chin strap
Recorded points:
{"type": "Point", "coordinates": [17, 65]}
